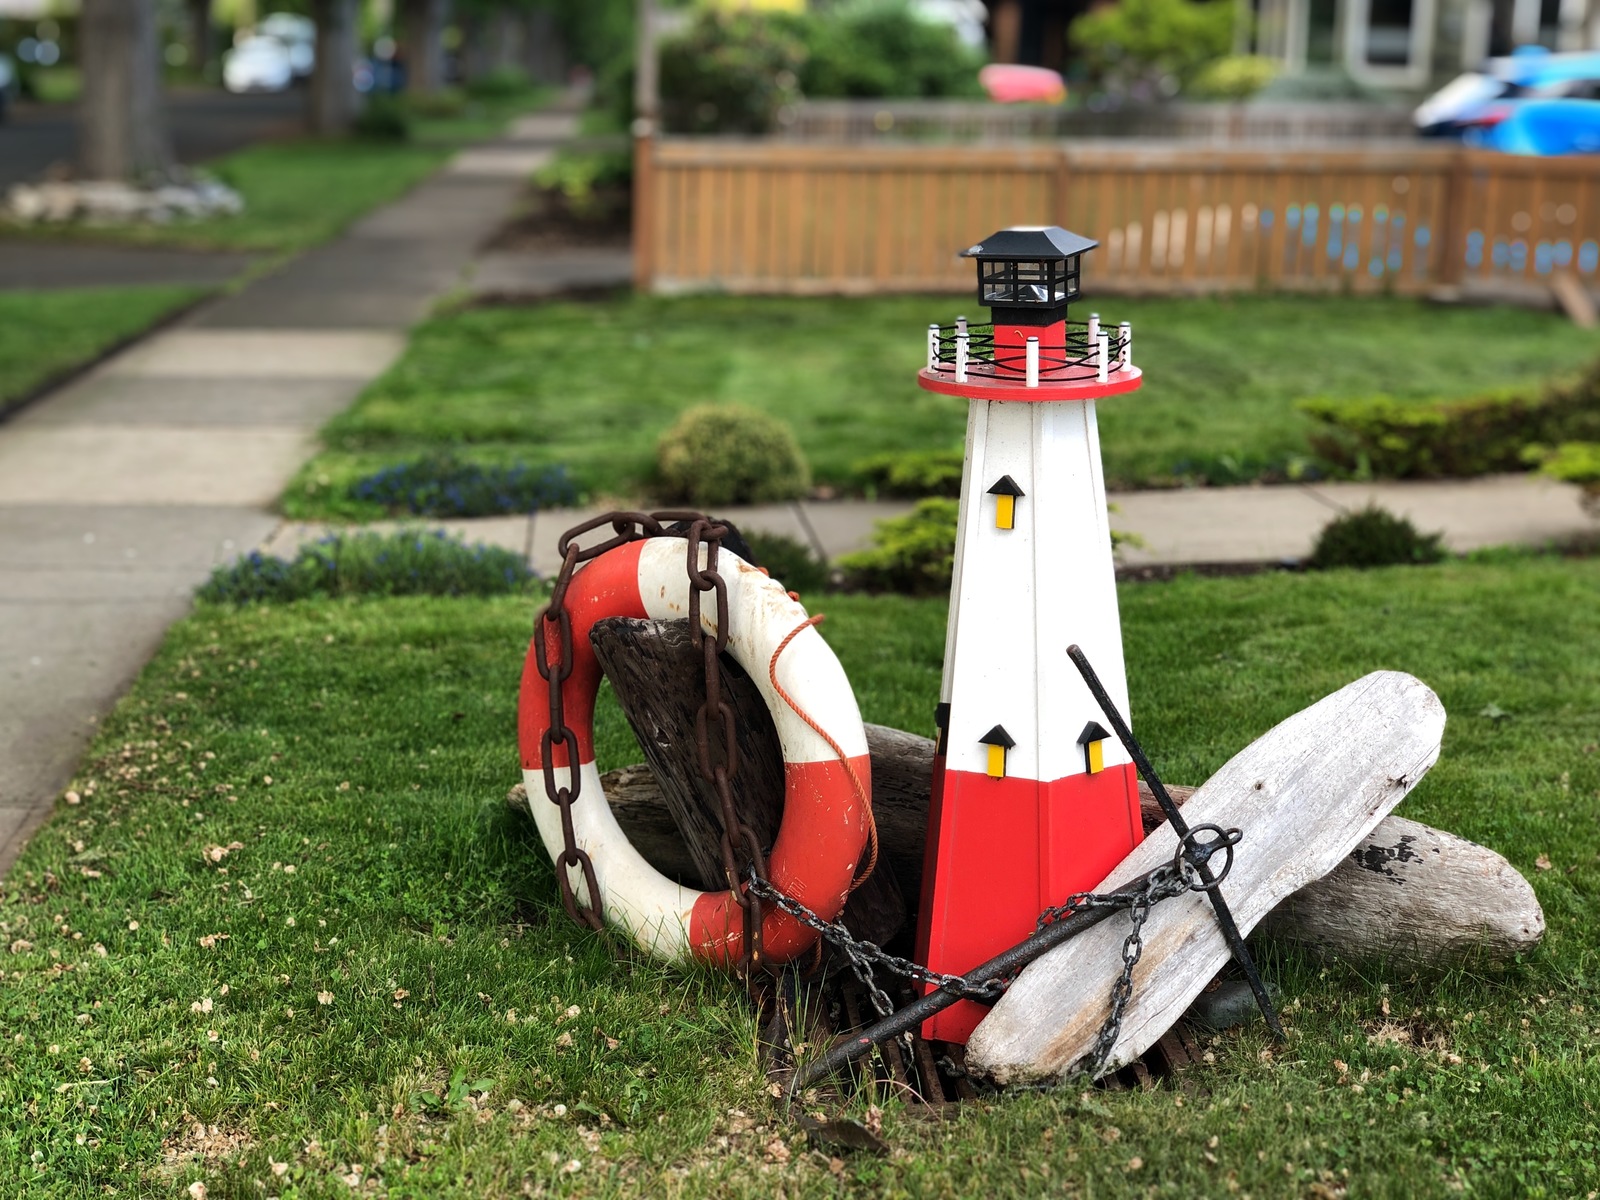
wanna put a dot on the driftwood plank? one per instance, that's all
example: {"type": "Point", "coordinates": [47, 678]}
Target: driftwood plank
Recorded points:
{"type": "Point", "coordinates": [1407, 890]}
{"type": "Point", "coordinates": [1305, 795]}
{"type": "Point", "coordinates": [1417, 894]}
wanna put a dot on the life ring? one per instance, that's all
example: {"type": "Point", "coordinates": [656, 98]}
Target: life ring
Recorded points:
{"type": "Point", "coordinates": [827, 772]}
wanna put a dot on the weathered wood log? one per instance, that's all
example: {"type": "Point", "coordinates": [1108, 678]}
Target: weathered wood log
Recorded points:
{"type": "Point", "coordinates": [1407, 890]}
{"type": "Point", "coordinates": [657, 676]}
{"type": "Point", "coordinates": [1307, 792]}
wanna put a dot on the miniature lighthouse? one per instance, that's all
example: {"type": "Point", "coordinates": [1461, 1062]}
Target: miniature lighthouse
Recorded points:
{"type": "Point", "coordinates": [1032, 799]}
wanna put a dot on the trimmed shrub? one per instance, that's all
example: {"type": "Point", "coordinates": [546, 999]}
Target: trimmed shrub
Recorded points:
{"type": "Point", "coordinates": [1373, 537]}
{"type": "Point", "coordinates": [446, 102]}
{"type": "Point", "coordinates": [1153, 48]}
{"type": "Point", "coordinates": [883, 48]}
{"type": "Point", "coordinates": [715, 455]}
{"type": "Point", "coordinates": [1237, 77]}
{"type": "Point", "coordinates": [730, 71]}
{"type": "Point", "coordinates": [502, 83]}
{"type": "Point", "coordinates": [579, 175]}
{"type": "Point", "coordinates": [406, 563]}
{"type": "Point", "coordinates": [912, 473]}
{"type": "Point", "coordinates": [1577, 462]}
{"type": "Point", "coordinates": [791, 563]}
{"type": "Point", "coordinates": [384, 118]}
{"type": "Point", "coordinates": [441, 485]}
{"type": "Point", "coordinates": [914, 554]}
{"type": "Point", "coordinates": [1382, 437]}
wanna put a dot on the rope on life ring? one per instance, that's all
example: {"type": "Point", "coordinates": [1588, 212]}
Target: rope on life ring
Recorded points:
{"type": "Point", "coordinates": [827, 813]}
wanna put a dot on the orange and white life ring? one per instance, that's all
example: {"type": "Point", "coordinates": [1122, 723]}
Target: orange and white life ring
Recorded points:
{"type": "Point", "coordinates": [827, 773]}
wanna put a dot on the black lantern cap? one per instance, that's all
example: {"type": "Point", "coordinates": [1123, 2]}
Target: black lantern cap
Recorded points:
{"type": "Point", "coordinates": [1028, 274]}
{"type": "Point", "coordinates": [1031, 241]}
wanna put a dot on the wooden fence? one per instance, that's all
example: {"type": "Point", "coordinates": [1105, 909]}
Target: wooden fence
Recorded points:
{"type": "Point", "coordinates": [785, 218]}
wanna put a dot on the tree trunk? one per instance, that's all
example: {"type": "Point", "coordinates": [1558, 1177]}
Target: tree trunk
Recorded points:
{"type": "Point", "coordinates": [199, 35]}
{"type": "Point", "coordinates": [544, 55]}
{"type": "Point", "coordinates": [475, 56]}
{"type": "Point", "coordinates": [122, 119]}
{"type": "Point", "coordinates": [333, 100]}
{"type": "Point", "coordinates": [421, 41]}
{"type": "Point", "coordinates": [506, 38]}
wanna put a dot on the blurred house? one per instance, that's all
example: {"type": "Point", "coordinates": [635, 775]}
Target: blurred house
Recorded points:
{"type": "Point", "coordinates": [1399, 44]}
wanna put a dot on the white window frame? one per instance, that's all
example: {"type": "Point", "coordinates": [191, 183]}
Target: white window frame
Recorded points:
{"type": "Point", "coordinates": [1418, 69]}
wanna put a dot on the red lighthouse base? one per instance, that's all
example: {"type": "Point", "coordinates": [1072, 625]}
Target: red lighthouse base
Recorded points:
{"type": "Point", "coordinates": [1001, 851]}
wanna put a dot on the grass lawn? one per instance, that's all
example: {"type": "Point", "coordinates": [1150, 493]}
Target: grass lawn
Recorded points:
{"type": "Point", "coordinates": [43, 333]}
{"type": "Point", "coordinates": [303, 192]}
{"type": "Point", "coordinates": [592, 385]}
{"type": "Point", "coordinates": [289, 941]}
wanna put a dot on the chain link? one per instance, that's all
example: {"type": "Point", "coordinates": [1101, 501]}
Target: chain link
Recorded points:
{"type": "Point", "coordinates": [716, 725]}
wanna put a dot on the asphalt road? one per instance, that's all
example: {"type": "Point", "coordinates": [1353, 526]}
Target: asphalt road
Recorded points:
{"type": "Point", "coordinates": [205, 124]}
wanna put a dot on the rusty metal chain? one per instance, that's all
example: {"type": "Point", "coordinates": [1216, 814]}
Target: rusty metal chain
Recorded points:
{"type": "Point", "coordinates": [738, 839]}
{"type": "Point", "coordinates": [718, 762]}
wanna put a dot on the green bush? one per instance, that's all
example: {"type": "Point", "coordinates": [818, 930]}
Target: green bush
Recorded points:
{"type": "Point", "coordinates": [1161, 45]}
{"type": "Point", "coordinates": [578, 176]}
{"type": "Point", "coordinates": [1383, 437]}
{"type": "Point", "coordinates": [384, 118]}
{"type": "Point", "coordinates": [444, 103]}
{"type": "Point", "coordinates": [405, 563]}
{"type": "Point", "coordinates": [911, 473]}
{"type": "Point", "coordinates": [1237, 77]}
{"type": "Point", "coordinates": [1577, 462]}
{"type": "Point", "coordinates": [502, 83]}
{"type": "Point", "coordinates": [1373, 537]}
{"type": "Point", "coordinates": [882, 48]}
{"type": "Point", "coordinates": [790, 562]}
{"type": "Point", "coordinates": [729, 72]}
{"type": "Point", "coordinates": [717, 455]}
{"type": "Point", "coordinates": [914, 554]}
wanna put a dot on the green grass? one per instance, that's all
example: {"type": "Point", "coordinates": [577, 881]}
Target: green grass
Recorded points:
{"type": "Point", "coordinates": [300, 193]}
{"type": "Point", "coordinates": [592, 385]}
{"type": "Point", "coordinates": [44, 333]}
{"type": "Point", "coordinates": [306, 801]}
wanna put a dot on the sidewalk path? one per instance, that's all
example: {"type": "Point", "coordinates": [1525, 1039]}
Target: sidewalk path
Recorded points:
{"type": "Point", "coordinates": [120, 492]}
{"type": "Point", "coordinates": [1199, 526]}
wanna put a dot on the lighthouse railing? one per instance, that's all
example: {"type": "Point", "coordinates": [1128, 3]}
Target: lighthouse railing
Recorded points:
{"type": "Point", "coordinates": [1088, 352]}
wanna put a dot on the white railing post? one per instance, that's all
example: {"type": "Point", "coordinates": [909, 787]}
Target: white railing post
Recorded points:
{"type": "Point", "coordinates": [1103, 369]}
{"type": "Point", "coordinates": [1093, 334]}
{"type": "Point", "coordinates": [933, 347]}
{"type": "Point", "coordinates": [963, 345]}
{"type": "Point", "coordinates": [1125, 354]}
{"type": "Point", "coordinates": [1033, 362]}
{"type": "Point", "coordinates": [961, 325]}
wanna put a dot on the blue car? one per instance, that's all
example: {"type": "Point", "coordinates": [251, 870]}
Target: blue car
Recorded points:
{"type": "Point", "coordinates": [1472, 104]}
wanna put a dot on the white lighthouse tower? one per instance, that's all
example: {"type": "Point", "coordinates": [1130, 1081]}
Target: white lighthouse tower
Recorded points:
{"type": "Point", "coordinates": [1032, 798]}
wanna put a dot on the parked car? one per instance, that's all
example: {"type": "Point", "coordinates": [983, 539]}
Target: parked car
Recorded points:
{"type": "Point", "coordinates": [1481, 99]}
{"type": "Point", "coordinates": [260, 64]}
{"type": "Point", "coordinates": [1546, 127]}
{"type": "Point", "coordinates": [299, 37]}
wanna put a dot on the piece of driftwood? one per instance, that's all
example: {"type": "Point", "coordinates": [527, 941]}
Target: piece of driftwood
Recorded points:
{"type": "Point", "coordinates": [1306, 794]}
{"type": "Point", "coordinates": [658, 678]}
{"type": "Point", "coordinates": [1407, 891]}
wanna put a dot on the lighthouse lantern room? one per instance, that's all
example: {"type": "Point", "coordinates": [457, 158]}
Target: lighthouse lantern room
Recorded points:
{"type": "Point", "coordinates": [1032, 800]}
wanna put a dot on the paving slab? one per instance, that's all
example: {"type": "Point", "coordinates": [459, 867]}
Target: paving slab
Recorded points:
{"type": "Point", "coordinates": [81, 537]}
{"type": "Point", "coordinates": [189, 353]}
{"type": "Point", "coordinates": [92, 465]}
{"type": "Point", "coordinates": [501, 162]}
{"type": "Point", "coordinates": [27, 263]}
{"type": "Point", "coordinates": [1217, 525]}
{"type": "Point", "coordinates": [108, 399]}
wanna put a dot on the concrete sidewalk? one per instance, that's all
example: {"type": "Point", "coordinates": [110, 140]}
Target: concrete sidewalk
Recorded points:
{"type": "Point", "coordinates": [1192, 527]}
{"type": "Point", "coordinates": [120, 492]}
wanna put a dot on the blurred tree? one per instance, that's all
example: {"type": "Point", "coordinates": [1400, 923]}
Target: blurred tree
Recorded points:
{"type": "Point", "coordinates": [199, 34]}
{"type": "Point", "coordinates": [121, 116]}
{"type": "Point", "coordinates": [333, 100]}
{"type": "Point", "coordinates": [421, 28]}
